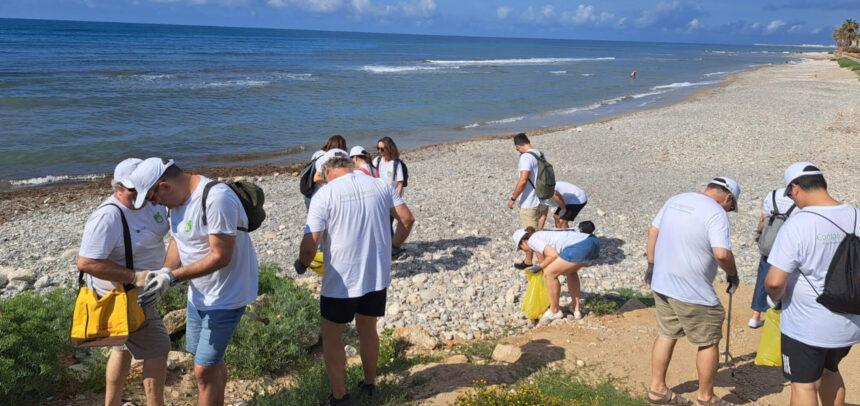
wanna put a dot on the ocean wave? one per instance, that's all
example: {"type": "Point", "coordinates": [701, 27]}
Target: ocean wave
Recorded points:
{"type": "Point", "coordinates": [559, 72]}
{"type": "Point", "coordinates": [232, 83]}
{"type": "Point", "coordinates": [797, 46]}
{"type": "Point", "coordinates": [720, 73]}
{"type": "Point", "coordinates": [586, 74]}
{"type": "Point", "coordinates": [493, 122]}
{"type": "Point", "coordinates": [150, 77]}
{"type": "Point", "coordinates": [44, 180]}
{"type": "Point", "coordinates": [683, 84]}
{"type": "Point", "coordinates": [293, 76]}
{"type": "Point", "coordinates": [503, 62]}
{"type": "Point", "coordinates": [400, 69]}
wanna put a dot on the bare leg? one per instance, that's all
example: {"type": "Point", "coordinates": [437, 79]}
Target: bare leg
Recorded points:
{"type": "Point", "coordinates": [661, 356]}
{"type": "Point", "coordinates": [804, 394]}
{"type": "Point", "coordinates": [542, 218]}
{"type": "Point", "coordinates": [368, 341]}
{"type": "Point", "coordinates": [211, 383]}
{"type": "Point", "coordinates": [334, 357]}
{"type": "Point", "coordinates": [551, 273]}
{"type": "Point", "coordinates": [706, 365]}
{"type": "Point", "coordinates": [116, 372]}
{"type": "Point", "coordinates": [154, 375]}
{"type": "Point", "coordinates": [573, 286]}
{"type": "Point", "coordinates": [832, 389]}
{"type": "Point", "coordinates": [756, 315]}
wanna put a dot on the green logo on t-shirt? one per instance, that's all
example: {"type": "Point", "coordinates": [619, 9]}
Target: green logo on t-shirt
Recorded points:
{"type": "Point", "coordinates": [158, 218]}
{"type": "Point", "coordinates": [187, 225]}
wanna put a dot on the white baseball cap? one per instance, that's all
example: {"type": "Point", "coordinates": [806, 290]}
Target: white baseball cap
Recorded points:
{"type": "Point", "coordinates": [731, 186]}
{"type": "Point", "coordinates": [329, 155]}
{"type": "Point", "coordinates": [123, 170]}
{"type": "Point", "coordinates": [146, 175]}
{"type": "Point", "coordinates": [357, 150]}
{"type": "Point", "coordinates": [518, 236]}
{"type": "Point", "coordinates": [797, 170]}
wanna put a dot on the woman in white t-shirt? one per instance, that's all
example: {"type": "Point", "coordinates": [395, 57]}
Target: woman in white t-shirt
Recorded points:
{"type": "Point", "coordinates": [560, 252]}
{"type": "Point", "coordinates": [387, 165]}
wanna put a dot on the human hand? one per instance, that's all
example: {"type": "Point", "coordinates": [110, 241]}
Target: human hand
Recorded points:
{"type": "Point", "coordinates": [510, 204]}
{"type": "Point", "coordinates": [535, 268]}
{"type": "Point", "coordinates": [151, 274]}
{"type": "Point", "coordinates": [777, 305]}
{"type": "Point", "coordinates": [734, 282]}
{"type": "Point", "coordinates": [155, 288]}
{"type": "Point", "coordinates": [649, 273]}
{"type": "Point", "coordinates": [562, 211]}
{"type": "Point", "coordinates": [299, 266]}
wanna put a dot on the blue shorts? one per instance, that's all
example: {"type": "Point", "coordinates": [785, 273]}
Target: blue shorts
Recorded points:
{"type": "Point", "coordinates": [207, 333]}
{"type": "Point", "coordinates": [582, 252]}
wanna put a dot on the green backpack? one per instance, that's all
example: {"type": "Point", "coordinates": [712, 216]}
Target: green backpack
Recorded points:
{"type": "Point", "coordinates": [251, 196]}
{"type": "Point", "coordinates": [545, 185]}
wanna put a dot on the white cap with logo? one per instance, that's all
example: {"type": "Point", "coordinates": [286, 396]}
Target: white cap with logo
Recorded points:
{"type": "Point", "coordinates": [123, 170]}
{"type": "Point", "coordinates": [329, 155]}
{"type": "Point", "coordinates": [518, 237]}
{"type": "Point", "coordinates": [357, 150]}
{"type": "Point", "coordinates": [731, 186]}
{"type": "Point", "coordinates": [797, 170]}
{"type": "Point", "coordinates": [146, 175]}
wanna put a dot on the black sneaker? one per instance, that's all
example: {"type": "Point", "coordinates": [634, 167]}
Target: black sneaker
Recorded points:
{"type": "Point", "coordinates": [344, 401]}
{"type": "Point", "coordinates": [522, 265]}
{"type": "Point", "coordinates": [396, 252]}
{"type": "Point", "coordinates": [366, 390]}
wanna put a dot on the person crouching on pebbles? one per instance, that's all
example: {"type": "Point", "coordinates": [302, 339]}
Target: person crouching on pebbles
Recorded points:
{"type": "Point", "coordinates": [560, 252]}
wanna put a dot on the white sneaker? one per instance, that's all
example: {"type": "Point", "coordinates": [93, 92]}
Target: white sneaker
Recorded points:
{"type": "Point", "coordinates": [576, 314]}
{"type": "Point", "coordinates": [549, 316]}
{"type": "Point", "coordinates": [755, 323]}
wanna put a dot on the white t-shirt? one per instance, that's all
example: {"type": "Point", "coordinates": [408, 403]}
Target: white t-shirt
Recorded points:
{"type": "Point", "coordinates": [783, 202]}
{"type": "Point", "coordinates": [528, 198]}
{"type": "Point", "coordinates": [690, 225]}
{"type": "Point", "coordinates": [806, 244]}
{"type": "Point", "coordinates": [571, 193]}
{"type": "Point", "coordinates": [230, 287]}
{"type": "Point", "coordinates": [559, 239]}
{"type": "Point", "coordinates": [386, 171]}
{"type": "Point", "coordinates": [103, 238]}
{"type": "Point", "coordinates": [354, 212]}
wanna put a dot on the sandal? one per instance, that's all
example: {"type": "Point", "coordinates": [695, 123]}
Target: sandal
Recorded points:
{"type": "Point", "coordinates": [668, 398]}
{"type": "Point", "coordinates": [522, 265]}
{"type": "Point", "coordinates": [714, 401]}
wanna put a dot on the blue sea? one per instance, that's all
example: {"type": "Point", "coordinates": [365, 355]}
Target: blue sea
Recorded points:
{"type": "Point", "coordinates": [76, 97]}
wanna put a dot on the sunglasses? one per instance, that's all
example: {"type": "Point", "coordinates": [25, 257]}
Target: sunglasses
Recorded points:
{"type": "Point", "coordinates": [380, 148]}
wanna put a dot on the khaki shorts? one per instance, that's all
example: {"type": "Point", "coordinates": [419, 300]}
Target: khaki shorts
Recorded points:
{"type": "Point", "coordinates": [529, 217]}
{"type": "Point", "coordinates": [150, 340]}
{"type": "Point", "coordinates": [702, 325]}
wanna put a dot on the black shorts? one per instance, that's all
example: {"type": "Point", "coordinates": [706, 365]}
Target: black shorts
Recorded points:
{"type": "Point", "coordinates": [342, 311]}
{"type": "Point", "coordinates": [572, 211]}
{"type": "Point", "coordinates": [802, 363]}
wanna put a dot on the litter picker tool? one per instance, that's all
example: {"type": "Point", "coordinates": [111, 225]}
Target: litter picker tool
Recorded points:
{"type": "Point", "coordinates": [729, 359]}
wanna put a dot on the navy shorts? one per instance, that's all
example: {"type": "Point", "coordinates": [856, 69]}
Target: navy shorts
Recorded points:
{"type": "Point", "coordinates": [803, 363]}
{"type": "Point", "coordinates": [343, 310]}
{"type": "Point", "coordinates": [582, 252]}
{"type": "Point", "coordinates": [571, 211]}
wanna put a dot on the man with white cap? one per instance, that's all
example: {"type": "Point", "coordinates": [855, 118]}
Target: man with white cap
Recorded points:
{"type": "Point", "coordinates": [319, 176]}
{"type": "Point", "coordinates": [213, 253]}
{"type": "Point", "coordinates": [688, 239]}
{"type": "Point", "coordinates": [814, 338]}
{"type": "Point", "coordinates": [102, 257]}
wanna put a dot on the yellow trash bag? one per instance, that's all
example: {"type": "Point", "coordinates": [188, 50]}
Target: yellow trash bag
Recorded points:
{"type": "Point", "coordinates": [536, 300]}
{"type": "Point", "coordinates": [769, 349]}
{"type": "Point", "coordinates": [105, 321]}
{"type": "Point", "coordinates": [318, 264]}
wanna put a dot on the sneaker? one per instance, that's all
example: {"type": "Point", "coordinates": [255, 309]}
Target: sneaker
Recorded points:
{"type": "Point", "coordinates": [522, 265]}
{"type": "Point", "coordinates": [366, 390]}
{"type": "Point", "coordinates": [755, 323]}
{"type": "Point", "coordinates": [549, 316]}
{"type": "Point", "coordinates": [344, 401]}
{"type": "Point", "coordinates": [577, 315]}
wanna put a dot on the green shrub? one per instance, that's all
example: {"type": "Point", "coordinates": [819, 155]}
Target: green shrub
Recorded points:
{"type": "Point", "coordinates": [477, 348]}
{"type": "Point", "coordinates": [610, 302]}
{"type": "Point", "coordinates": [269, 279]}
{"type": "Point", "coordinates": [174, 298]}
{"type": "Point", "coordinates": [525, 395]}
{"type": "Point", "coordinates": [34, 337]}
{"type": "Point", "coordinates": [274, 335]}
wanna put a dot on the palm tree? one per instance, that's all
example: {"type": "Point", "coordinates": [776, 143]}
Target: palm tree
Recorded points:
{"type": "Point", "coordinates": [846, 34]}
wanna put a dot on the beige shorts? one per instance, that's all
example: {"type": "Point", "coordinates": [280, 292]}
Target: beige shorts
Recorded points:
{"type": "Point", "coordinates": [150, 340]}
{"type": "Point", "coordinates": [529, 217]}
{"type": "Point", "coordinates": [702, 325]}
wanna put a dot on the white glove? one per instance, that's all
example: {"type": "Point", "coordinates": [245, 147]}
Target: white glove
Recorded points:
{"type": "Point", "coordinates": [774, 305]}
{"type": "Point", "coordinates": [152, 274]}
{"type": "Point", "coordinates": [562, 212]}
{"type": "Point", "coordinates": [155, 288]}
{"type": "Point", "coordinates": [535, 268]}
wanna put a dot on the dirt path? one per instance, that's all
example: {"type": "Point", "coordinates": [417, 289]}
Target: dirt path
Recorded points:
{"type": "Point", "coordinates": [619, 347]}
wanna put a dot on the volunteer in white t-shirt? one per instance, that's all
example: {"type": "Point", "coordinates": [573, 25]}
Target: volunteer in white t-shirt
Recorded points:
{"type": "Point", "coordinates": [531, 211]}
{"type": "Point", "coordinates": [349, 219]}
{"type": "Point", "coordinates": [784, 205]}
{"type": "Point", "coordinates": [102, 258]}
{"type": "Point", "coordinates": [560, 252]}
{"type": "Point", "coordinates": [688, 239]}
{"type": "Point", "coordinates": [361, 160]}
{"type": "Point", "coordinates": [814, 339]}
{"type": "Point", "coordinates": [387, 165]}
{"type": "Point", "coordinates": [334, 142]}
{"type": "Point", "coordinates": [213, 254]}
{"type": "Point", "coordinates": [569, 200]}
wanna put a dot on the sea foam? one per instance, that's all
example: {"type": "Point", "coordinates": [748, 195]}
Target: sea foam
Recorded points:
{"type": "Point", "coordinates": [503, 62]}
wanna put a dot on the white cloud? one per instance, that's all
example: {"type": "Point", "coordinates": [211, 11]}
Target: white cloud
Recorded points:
{"type": "Point", "coordinates": [317, 6]}
{"type": "Point", "coordinates": [585, 13]}
{"type": "Point", "coordinates": [419, 8]}
{"type": "Point", "coordinates": [774, 26]}
{"type": "Point", "coordinates": [695, 24]}
{"type": "Point", "coordinates": [503, 12]}
{"type": "Point", "coordinates": [413, 8]}
{"type": "Point", "coordinates": [226, 3]}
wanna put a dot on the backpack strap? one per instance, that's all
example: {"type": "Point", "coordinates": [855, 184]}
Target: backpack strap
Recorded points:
{"type": "Point", "coordinates": [396, 164]}
{"type": "Point", "coordinates": [840, 229]}
{"type": "Point", "coordinates": [206, 195]}
{"type": "Point", "coordinates": [538, 157]}
{"type": "Point", "coordinates": [775, 210]}
{"type": "Point", "coordinates": [374, 166]}
{"type": "Point", "coordinates": [126, 240]}
{"type": "Point", "coordinates": [790, 209]}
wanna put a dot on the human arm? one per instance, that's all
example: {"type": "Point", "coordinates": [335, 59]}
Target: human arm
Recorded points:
{"type": "Point", "coordinates": [171, 260]}
{"type": "Point", "coordinates": [653, 232]}
{"type": "Point", "coordinates": [760, 226]}
{"type": "Point", "coordinates": [518, 189]}
{"type": "Point", "coordinates": [219, 256]}
{"type": "Point", "coordinates": [405, 221]}
{"type": "Point", "coordinates": [775, 282]}
{"type": "Point", "coordinates": [308, 247]}
{"type": "Point", "coordinates": [559, 200]}
{"type": "Point", "coordinates": [549, 254]}
{"type": "Point", "coordinates": [399, 188]}
{"type": "Point", "coordinates": [105, 269]}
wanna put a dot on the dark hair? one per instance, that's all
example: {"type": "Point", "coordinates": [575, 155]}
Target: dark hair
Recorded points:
{"type": "Point", "coordinates": [390, 146]}
{"type": "Point", "coordinates": [172, 172]}
{"type": "Point", "coordinates": [335, 141]}
{"type": "Point", "coordinates": [521, 139]}
{"type": "Point", "coordinates": [719, 187]}
{"type": "Point", "coordinates": [587, 227]}
{"type": "Point", "coordinates": [528, 234]}
{"type": "Point", "coordinates": [811, 182]}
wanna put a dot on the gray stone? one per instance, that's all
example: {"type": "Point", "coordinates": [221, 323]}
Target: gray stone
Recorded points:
{"type": "Point", "coordinates": [174, 322]}
{"type": "Point", "coordinates": [25, 275]}
{"type": "Point", "coordinates": [350, 351]}
{"type": "Point", "coordinates": [507, 353]}
{"type": "Point", "coordinates": [43, 282]}
{"type": "Point", "coordinates": [416, 336]}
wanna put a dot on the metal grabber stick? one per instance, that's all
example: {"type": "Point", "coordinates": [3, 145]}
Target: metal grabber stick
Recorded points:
{"type": "Point", "coordinates": [728, 355]}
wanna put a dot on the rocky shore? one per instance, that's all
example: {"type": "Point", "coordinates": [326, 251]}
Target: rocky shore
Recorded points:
{"type": "Point", "coordinates": [457, 279]}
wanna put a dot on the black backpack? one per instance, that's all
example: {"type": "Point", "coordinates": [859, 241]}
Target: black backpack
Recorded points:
{"type": "Point", "coordinates": [842, 284]}
{"type": "Point", "coordinates": [306, 178]}
{"type": "Point", "coordinates": [374, 169]}
{"type": "Point", "coordinates": [251, 196]}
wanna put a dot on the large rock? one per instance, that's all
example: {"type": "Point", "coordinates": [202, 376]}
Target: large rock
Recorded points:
{"type": "Point", "coordinates": [174, 322]}
{"type": "Point", "coordinates": [179, 359]}
{"type": "Point", "coordinates": [23, 275]}
{"type": "Point", "coordinates": [507, 353]}
{"type": "Point", "coordinates": [43, 282]}
{"type": "Point", "coordinates": [416, 336]}
{"type": "Point", "coordinates": [631, 305]}
{"type": "Point", "coordinates": [69, 253]}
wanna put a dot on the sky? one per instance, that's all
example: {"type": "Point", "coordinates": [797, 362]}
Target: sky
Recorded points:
{"type": "Point", "coordinates": [723, 21]}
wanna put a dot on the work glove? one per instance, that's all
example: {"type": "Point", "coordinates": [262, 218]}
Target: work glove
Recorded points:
{"type": "Point", "coordinates": [152, 274]}
{"type": "Point", "coordinates": [535, 268]}
{"type": "Point", "coordinates": [562, 211]}
{"type": "Point", "coordinates": [649, 273]}
{"type": "Point", "coordinates": [774, 305]}
{"type": "Point", "coordinates": [299, 266]}
{"type": "Point", "coordinates": [155, 288]}
{"type": "Point", "coordinates": [734, 282]}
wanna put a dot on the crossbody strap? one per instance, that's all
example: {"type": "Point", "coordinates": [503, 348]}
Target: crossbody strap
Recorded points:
{"type": "Point", "coordinates": [840, 229]}
{"type": "Point", "coordinates": [530, 176]}
{"type": "Point", "coordinates": [126, 240]}
{"type": "Point", "coordinates": [775, 210]}
{"type": "Point", "coordinates": [203, 202]}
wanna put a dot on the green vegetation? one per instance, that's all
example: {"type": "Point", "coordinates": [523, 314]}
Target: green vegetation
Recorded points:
{"type": "Point", "coordinates": [849, 63]}
{"type": "Point", "coordinates": [609, 303]}
{"type": "Point", "coordinates": [846, 35]}
{"type": "Point", "coordinates": [477, 349]}
{"type": "Point", "coordinates": [174, 298]}
{"type": "Point", "coordinates": [549, 387]}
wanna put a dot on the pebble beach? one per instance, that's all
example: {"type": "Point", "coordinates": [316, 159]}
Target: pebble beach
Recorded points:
{"type": "Point", "coordinates": [457, 280]}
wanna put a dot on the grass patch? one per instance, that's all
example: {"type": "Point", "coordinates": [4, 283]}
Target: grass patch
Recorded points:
{"type": "Point", "coordinates": [849, 63]}
{"type": "Point", "coordinates": [477, 349]}
{"type": "Point", "coordinates": [549, 388]}
{"type": "Point", "coordinates": [609, 303]}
